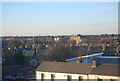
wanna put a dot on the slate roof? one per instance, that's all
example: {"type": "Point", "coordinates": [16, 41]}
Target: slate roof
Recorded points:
{"type": "Point", "coordinates": [65, 67]}
{"type": "Point", "coordinates": [107, 69]}
{"type": "Point", "coordinates": [79, 68]}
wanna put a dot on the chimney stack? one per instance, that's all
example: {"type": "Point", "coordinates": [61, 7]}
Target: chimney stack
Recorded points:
{"type": "Point", "coordinates": [78, 61]}
{"type": "Point", "coordinates": [94, 64]}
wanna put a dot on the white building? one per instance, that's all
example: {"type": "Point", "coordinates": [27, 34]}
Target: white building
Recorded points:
{"type": "Point", "coordinates": [64, 71]}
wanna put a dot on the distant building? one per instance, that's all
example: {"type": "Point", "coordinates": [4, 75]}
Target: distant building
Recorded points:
{"type": "Point", "coordinates": [59, 38]}
{"type": "Point", "coordinates": [77, 71]}
{"type": "Point", "coordinates": [80, 40]}
{"type": "Point", "coordinates": [100, 57]}
{"type": "Point", "coordinates": [56, 39]}
{"type": "Point", "coordinates": [76, 38]}
{"type": "Point", "coordinates": [28, 52]}
{"type": "Point", "coordinates": [85, 59]}
{"type": "Point", "coordinates": [33, 62]}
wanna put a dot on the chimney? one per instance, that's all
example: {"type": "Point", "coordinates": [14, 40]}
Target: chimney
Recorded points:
{"type": "Point", "coordinates": [78, 61]}
{"type": "Point", "coordinates": [94, 64]}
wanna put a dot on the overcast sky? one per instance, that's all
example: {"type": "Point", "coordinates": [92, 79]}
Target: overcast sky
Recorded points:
{"type": "Point", "coordinates": [59, 18]}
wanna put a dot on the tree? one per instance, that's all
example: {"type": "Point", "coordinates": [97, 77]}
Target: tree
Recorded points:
{"type": "Point", "coordinates": [60, 53]}
{"type": "Point", "coordinates": [7, 56]}
{"type": "Point", "coordinates": [8, 59]}
{"type": "Point", "coordinates": [19, 58]}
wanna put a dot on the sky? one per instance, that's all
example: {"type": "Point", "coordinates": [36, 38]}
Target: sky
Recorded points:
{"type": "Point", "coordinates": [59, 18]}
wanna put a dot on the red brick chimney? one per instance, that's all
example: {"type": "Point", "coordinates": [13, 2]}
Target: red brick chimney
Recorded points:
{"type": "Point", "coordinates": [94, 63]}
{"type": "Point", "coordinates": [78, 61]}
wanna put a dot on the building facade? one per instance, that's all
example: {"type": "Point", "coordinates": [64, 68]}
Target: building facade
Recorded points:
{"type": "Point", "coordinates": [55, 71]}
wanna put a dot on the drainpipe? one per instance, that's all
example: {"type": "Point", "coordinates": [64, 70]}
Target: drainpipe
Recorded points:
{"type": "Point", "coordinates": [87, 77]}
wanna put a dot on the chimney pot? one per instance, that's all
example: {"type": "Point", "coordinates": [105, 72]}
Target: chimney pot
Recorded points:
{"type": "Point", "coordinates": [94, 63]}
{"type": "Point", "coordinates": [78, 61]}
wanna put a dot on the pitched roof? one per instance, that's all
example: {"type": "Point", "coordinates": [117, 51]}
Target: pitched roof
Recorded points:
{"type": "Point", "coordinates": [79, 68]}
{"type": "Point", "coordinates": [107, 69]}
{"type": "Point", "coordinates": [65, 67]}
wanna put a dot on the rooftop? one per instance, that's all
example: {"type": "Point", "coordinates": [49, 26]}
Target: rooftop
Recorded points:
{"type": "Point", "coordinates": [79, 68]}
{"type": "Point", "coordinates": [107, 69]}
{"type": "Point", "coordinates": [65, 67]}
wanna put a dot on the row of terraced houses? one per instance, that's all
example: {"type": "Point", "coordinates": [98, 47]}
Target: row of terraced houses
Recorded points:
{"type": "Point", "coordinates": [65, 71]}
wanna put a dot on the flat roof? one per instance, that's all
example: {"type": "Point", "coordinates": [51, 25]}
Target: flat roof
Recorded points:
{"type": "Point", "coordinates": [112, 57]}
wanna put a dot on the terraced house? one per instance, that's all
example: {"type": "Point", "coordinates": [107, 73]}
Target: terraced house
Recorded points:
{"type": "Point", "coordinates": [55, 71]}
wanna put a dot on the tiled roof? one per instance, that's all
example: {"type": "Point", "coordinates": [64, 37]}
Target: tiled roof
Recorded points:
{"type": "Point", "coordinates": [79, 68]}
{"type": "Point", "coordinates": [107, 69]}
{"type": "Point", "coordinates": [64, 67]}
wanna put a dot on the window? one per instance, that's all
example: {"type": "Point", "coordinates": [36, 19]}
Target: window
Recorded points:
{"type": "Point", "coordinates": [69, 78]}
{"type": "Point", "coordinates": [100, 79]}
{"type": "Point", "coordinates": [52, 77]}
{"type": "Point", "coordinates": [42, 77]}
{"type": "Point", "coordinates": [80, 78]}
{"type": "Point", "coordinates": [113, 80]}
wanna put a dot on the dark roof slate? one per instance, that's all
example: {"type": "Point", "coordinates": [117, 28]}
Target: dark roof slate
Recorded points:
{"type": "Point", "coordinates": [107, 69]}
{"type": "Point", "coordinates": [79, 68]}
{"type": "Point", "coordinates": [65, 67]}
